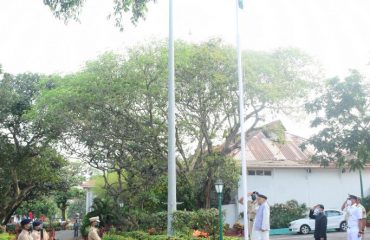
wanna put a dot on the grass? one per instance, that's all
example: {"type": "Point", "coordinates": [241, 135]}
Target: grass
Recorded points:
{"type": "Point", "coordinates": [6, 236]}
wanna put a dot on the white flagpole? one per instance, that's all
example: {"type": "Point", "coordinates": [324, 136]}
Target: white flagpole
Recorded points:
{"type": "Point", "coordinates": [171, 198]}
{"type": "Point", "coordinates": [242, 125]}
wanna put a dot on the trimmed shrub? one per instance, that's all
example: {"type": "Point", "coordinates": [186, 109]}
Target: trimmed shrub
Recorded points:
{"type": "Point", "coordinates": [158, 221]}
{"type": "Point", "coordinates": [182, 221]}
{"type": "Point", "coordinates": [115, 237]}
{"type": "Point", "coordinates": [139, 236]}
{"type": "Point", "coordinates": [283, 213]}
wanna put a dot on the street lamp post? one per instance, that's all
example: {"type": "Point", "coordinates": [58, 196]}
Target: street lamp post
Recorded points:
{"type": "Point", "coordinates": [219, 187]}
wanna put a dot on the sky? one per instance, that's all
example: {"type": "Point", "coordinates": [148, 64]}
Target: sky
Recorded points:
{"type": "Point", "coordinates": [336, 33]}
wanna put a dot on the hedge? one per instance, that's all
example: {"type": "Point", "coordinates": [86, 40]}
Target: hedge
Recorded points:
{"type": "Point", "coordinates": [283, 213]}
{"type": "Point", "coordinates": [138, 235]}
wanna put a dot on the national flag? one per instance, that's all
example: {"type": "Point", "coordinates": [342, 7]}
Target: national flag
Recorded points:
{"type": "Point", "coordinates": [240, 4]}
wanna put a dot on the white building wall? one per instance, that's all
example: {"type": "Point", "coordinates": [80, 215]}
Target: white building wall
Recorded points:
{"type": "Point", "coordinates": [327, 186]}
{"type": "Point", "coordinates": [89, 199]}
{"type": "Point", "coordinates": [230, 213]}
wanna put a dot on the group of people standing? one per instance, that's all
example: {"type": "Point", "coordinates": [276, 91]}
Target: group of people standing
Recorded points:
{"type": "Point", "coordinates": [355, 215]}
{"type": "Point", "coordinates": [34, 230]}
{"type": "Point", "coordinates": [259, 218]}
{"type": "Point", "coordinates": [37, 233]}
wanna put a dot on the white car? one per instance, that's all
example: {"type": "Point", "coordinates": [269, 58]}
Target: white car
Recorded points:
{"type": "Point", "coordinates": [336, 220]}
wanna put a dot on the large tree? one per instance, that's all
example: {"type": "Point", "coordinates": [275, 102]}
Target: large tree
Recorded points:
{"type": "Point", "coordinates": [114, 110]}
{"type": "Point", "coordinates": [29, 166]}
{"type": "Point", "coordinates": [342, 113]}
{"type": "Point", "coordinates": [207, 101]}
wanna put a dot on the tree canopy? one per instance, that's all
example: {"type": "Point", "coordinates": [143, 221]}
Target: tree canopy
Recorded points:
{"type": "Point", "coordinates": [114, 114]}
{"type": "Point", "coordinates": [342, 114]}
{"type": "Point", "coordinates": [70, 9]}
{"type": "Point", "coordinates": [29, 166]}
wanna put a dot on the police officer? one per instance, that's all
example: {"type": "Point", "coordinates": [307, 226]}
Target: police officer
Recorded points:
{"type": "Point", "coordinates": [252, 205]}
{"type": "Point", "coordinates": [38, 232]}
{"type": "Point", "coordinates": [25, 233]}
{"type": "Point", "coordinates": [364, 215]}
{"type": "Point", "coordinates": [93, 231]}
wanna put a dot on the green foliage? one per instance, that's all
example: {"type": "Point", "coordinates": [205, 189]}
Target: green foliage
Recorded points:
{"type": "Point", "coordinates": [106, 210]}
{"type": "Point", "coordinates": [115, 110]}
{"type": "Point", "coordinates": [63, 196]}
{"type": "Point", "coordinates": [183, 221]}
{"type": "Point", "coordinates": [78, 205]}
{"type": "Point", "coordinates": [70, 9]}
{"type": "Point", "coordinates": [116, 237]}
{"type": "Point", "coordinates": [145, 236]}
{"type": "Point", "coordinates": [215, 166]}
{"type": "Point", "coordinates": [85, 224]}
{"type": "Point", "coordinates": [154, 220]}
{"type": "Point", "coordinates": [342, 113]}
{"type": "Point", "coordinates": [41, 206]}
{"type": "Point", "coordinates": [5, 236]}
{"type": "Point", "coordinates": [283, 213]}
{"type": "Point", "coordinates": [30, 167]}
{"type": "Point", "coordinates": [366, 203]}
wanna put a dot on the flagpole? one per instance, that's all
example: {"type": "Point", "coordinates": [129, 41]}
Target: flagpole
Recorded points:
{"type": "Point", "coordinates": [171, 198]}
{"type": "Point", "coordinates": [242, 125]}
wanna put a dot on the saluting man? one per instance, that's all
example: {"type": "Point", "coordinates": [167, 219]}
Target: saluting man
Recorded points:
{"type": "Point", "coordinates": [354, 214]}
{"type": "Point", "coordinates": [93, 231]}
{"type": "Point", "coordinates": [25, 233]}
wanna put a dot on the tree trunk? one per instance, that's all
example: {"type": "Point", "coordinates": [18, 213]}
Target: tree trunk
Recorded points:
{"type": "Point", "coordinates": [8, 208]}
{"type": "Point", "coordinates": [63, 209]}
{"type": "Point", "coordinates": [7, 213]}
{"type": "Point", "coordinates": [208, 189]}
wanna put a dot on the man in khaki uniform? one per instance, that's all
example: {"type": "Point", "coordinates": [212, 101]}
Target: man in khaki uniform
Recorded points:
{"type": "Point", "coordinates": [38, 232]}
{"type": "Point", "coordinates": [252, 205]}
{"type": "Point", "coordinates": [364, 216]}
{"type": "Point", "coordinates": [25, 233]}
{"type": "Point", "coordinates": [93, 231]}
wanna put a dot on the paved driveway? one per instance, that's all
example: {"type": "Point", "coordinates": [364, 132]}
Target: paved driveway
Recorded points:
{"type": "Point", "coordinates": [331, 236]}
{"type": "Point", "coordinates": [64, 235]}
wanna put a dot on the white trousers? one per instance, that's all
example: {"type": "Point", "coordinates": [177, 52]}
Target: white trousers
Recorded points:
{"type": "Point", "coordinates": [259, 235]}
{"type": "Point", "coordinates": [352, 233]}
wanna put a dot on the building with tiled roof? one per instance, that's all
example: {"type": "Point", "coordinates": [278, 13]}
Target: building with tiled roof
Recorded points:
{"type": "Point", "coordinates": [279, 168]}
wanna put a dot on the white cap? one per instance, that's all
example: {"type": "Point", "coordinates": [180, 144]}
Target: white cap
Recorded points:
{"type": "Point", "coordinates": [94, 219]}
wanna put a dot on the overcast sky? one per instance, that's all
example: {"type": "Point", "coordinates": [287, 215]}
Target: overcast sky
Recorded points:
{"type": "Point", "coordinates": [335, 32]}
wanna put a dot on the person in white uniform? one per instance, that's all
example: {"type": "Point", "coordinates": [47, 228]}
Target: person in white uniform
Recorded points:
{"type": "Point", "coordinates": [354, 215]}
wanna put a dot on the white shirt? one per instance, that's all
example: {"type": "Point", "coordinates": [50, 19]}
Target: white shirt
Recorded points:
{"type": "Point", "coordinates": [354, 215]}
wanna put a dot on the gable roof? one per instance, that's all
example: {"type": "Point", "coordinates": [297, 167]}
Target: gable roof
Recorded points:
{"type": "Point", "coordinates": [265, 149]}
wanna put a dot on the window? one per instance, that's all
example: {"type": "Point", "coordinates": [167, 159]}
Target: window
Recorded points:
{"type": "Point", "coordinates": [260, 172]}
{"type": "Point", "coordinates": [332, 213]}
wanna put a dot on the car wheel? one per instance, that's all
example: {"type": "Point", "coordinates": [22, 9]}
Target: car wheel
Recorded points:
{"type": "Point", "coordinates": [343, 226]}
{"type": "Point", "coordinates": [304, 229]}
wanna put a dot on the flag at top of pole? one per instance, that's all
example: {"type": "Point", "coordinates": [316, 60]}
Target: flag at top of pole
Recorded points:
{"type": "Point", "coordinates": [240, 3]}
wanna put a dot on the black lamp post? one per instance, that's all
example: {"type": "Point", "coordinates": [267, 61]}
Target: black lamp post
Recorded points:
{"type": "Point", "coordinates": [219, 187]}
